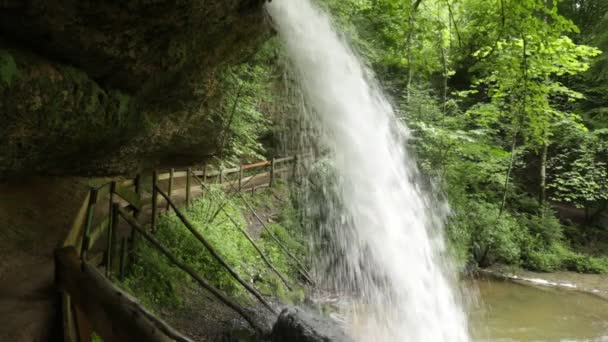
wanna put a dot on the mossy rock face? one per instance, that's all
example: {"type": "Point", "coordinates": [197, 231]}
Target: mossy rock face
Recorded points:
{"type": "Point", "coordinates": [52, 114]}
{"type": "Point", "coordinates": [126, 43]}
{"type": "Point", "coordinates": [109, 87]}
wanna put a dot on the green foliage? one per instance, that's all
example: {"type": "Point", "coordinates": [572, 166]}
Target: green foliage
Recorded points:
{"type": "Point", "coordinates": [152, 279]}
{"type": "Point", "coordinates": [405, 41]}
{"type": "Point", "coordinates": [460, 150]}
{"type": "Point", "coordinates": [486, 87]}
{"type": "Point", "coordinates": [252, 101]}
{"type": "Point", "coordinates": [480, 236]}
{"type": "Point", "coordinates": [8, 68]}
{"type": "Point", "coordinates": [558, 257]}
{"type": "Point", "coordinates": [591, 16]}
{"type": "Point", "coordinates": [157, 283]}
{"type": "Point", "coordinates": [488, 238]}
{"type": "Point", "coordinates": [519, 76]}
{"type": "Point", "coordinates": [510, 98]}
{"type": "Point", "coordinates": [581, 165]}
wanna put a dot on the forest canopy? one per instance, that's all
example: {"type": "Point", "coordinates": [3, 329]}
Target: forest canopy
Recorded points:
{"type": "Point", "coordinates": [507, 101]}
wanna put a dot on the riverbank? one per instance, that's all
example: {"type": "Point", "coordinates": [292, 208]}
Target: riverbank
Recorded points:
{"type": "Point", "coordinates": [595, 284]}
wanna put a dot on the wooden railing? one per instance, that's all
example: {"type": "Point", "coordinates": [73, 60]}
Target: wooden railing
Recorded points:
{"type": "Point", "coordinates": [90, 301]}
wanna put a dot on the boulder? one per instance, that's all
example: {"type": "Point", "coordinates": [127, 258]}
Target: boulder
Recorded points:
{"type": "Point", "coordinates": [297, 325]}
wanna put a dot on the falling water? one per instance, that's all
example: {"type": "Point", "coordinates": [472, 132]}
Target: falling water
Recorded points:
{"type": "Point", "coordinates": [386, 231]}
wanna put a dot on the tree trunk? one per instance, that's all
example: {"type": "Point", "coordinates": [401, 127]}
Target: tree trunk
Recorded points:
{"type": "Point", "coordinates": [444, 61]}
{"type": "Point", "coordinates": [522, 113]}
{"type": "Point", "coordinates": [542, 196]}
{"type": "Point", "coordinates": [408, 46]}
{"type": "Point", "coordinates": [508, 176]}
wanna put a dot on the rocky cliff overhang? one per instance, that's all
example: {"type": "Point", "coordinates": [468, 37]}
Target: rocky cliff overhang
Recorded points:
{"type": "Point", "coordinates": [113, 86]}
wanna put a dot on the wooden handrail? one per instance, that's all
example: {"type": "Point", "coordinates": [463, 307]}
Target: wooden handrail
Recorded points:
{"type": "Point", "coordinates": [255, 246]}
{"type": "Point", "coordinates": [215, 254]}
{"type": "Point", "coordinates": [254, 165]}
{"type": "Point", "coordinates": [83, 235]}
{"type": "Point", "coordinates": [189, 270]}
{"type": "Point", "coordinates": [112, 313]}
{"type": "Point", "coordinates": [301, 269]}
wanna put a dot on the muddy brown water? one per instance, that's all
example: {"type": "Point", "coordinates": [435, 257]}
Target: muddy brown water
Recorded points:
{"type": "Point", "coordinates": [510, 311]}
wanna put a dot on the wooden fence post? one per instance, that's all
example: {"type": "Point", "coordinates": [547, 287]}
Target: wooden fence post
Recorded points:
{"type": "Point", "coordinates": [123, 258]}
{"type": "Point", "coordinates": [170, 187]}
{"type": "Point", "coordinates": [188, 179]}
{"type": "Point", "coordinates": [240, 176]}
{"type": "Point", "coordinates": [137, 186]}
{"type": "Point", "coordinates": [70, 333]}
{"type": "Point", "coordinates": [111, 221]}
{"type": "Point", "coordinates": [295, 166]}
{"type": "Point", "coordinates": [205, 173]}
{"type": "Point", "coordinates": [83, 325]}
{"type": "Point", "coordinates": [114, 315]}
{"type": "Point", "coordinates": [154, 200]}
{"type": "Point", "coordinates": [86, 238]}
{"type": "Point", "coordinates": [136, 211]}
{"type": "Point", "coordinates": [271, 172]}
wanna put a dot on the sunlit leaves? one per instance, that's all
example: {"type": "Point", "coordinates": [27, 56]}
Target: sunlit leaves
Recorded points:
{"type": "Point", "coordinates": [581, 170]}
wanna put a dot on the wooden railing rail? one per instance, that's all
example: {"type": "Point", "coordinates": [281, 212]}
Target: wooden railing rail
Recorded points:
{"type": "Point", "coordinates": [86, 294]}
{"type": "Point", "coordinates": [104, 308]}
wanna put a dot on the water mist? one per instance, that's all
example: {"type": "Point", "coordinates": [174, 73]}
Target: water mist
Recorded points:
{"type": "Point", "coordinates": [386, 231]}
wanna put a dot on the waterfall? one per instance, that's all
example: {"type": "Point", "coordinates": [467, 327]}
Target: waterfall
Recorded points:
{"type": "Point", "coordinates": [386, 232]}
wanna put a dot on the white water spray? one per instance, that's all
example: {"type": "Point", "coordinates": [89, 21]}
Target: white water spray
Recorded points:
{"type": "Point", "coordinates": [389, 238]}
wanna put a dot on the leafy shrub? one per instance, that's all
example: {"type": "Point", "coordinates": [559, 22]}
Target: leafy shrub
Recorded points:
{"type": "Point", "coordinates": [585, 264]}
{"type": "Point", "coordinates": [559, 257]}
{"type": "Point", "coordinates": [478, 235]}
{"type": "Point", "coordinates": [490, 238]}
{"type": "Point", "coordinates": [152, 279]}
{"type": "Point", "coordinates": [545, 259]}
{"type": "Point", "coordinates": [546, 230]}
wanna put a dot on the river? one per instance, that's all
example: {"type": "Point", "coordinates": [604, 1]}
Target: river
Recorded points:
{"type": "Point", "coordinates": [509, 311]}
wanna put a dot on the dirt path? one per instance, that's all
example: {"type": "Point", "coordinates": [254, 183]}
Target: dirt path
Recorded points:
{"type": "Point", "coordinates": [202, 317]}
{"type": "Point", "coordinates": [35, 215]}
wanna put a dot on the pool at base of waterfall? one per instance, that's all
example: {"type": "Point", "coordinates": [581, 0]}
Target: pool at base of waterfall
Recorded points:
{"type": "Point", "coordinates": [508, 311]}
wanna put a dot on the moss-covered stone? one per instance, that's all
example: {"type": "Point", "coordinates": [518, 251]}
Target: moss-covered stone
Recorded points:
{"type": "Point", "coordinates": [111, 87]}
{"type": "Point", "coordinates": [55, 116]}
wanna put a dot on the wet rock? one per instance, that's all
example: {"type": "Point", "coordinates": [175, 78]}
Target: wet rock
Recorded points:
{"type": "Point", "coordinates": [109, 87]}
{"type": "Point", "coordinates": [296, 325]}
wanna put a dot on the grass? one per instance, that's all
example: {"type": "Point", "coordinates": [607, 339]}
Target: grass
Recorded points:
{"type": "Point", "coordinates": [157, 283]}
